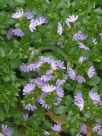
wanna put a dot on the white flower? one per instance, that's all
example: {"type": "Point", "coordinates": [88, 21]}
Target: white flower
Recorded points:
{"type": "Point", "coordinates": [72, 18]}
{"type": "Point", "coordinates": [18, 14]}
{"type": "Point", "coordinates": [59, 29]}
{"type": "Point", "coordinates": [32, 25]}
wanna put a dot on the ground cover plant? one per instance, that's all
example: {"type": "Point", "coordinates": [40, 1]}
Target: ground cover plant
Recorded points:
{"type": "Point", "coordinates": [51, 67]}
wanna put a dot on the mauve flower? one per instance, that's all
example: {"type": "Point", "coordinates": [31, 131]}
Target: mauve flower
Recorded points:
{"type": "Point", "coordinates": [94, 40]}
{"type": "Point", "coordinates": [29, 107]}
{"type": "Point", "coordinates": [84, 47]}
{"type": "Point", "coordinates": [59, 82]}
{"type": "Point", "coordinates": [32, 25]}
{"type": "Point", "coordinates": [56, 127]}
{"type": "Point", "coordinates": [60, 92]}
{"type": "Point", "coordinates": [49, 71]}
{"type": "Point", "coordinates": [18, 32]}
{"type": "Point", "coordinates": [80, 79]}
{"type": "Point", "coordinates": [48, 88]}
{"type": "Point", "coordinates": [35, 66]}
{"type": "Point", "coordinates": [10, 34]}
{"type": "Point", "coordinates": [83, 128]}
{"type": "Point", "coordinates": [78, 101]}
{"type": "Point", "coordinates": [24, 68]}
{"type": "Point", "coordinates": [60, 64]}
{"type": "Point", "coordinates": [46, 77]}
{"type": "Point", "coordinates": [72, 18]}
{"type": "Point", "coordinates": [28, 88]}
{"type": "Point", "coordinates": [91, 71]}
{"type": "Point", "coordinates": [98, 129]}
{"type": "Point", "coordinates": [81, 59]}
{"type": "Point", "coordinates": [39, 82]}
{"type": "Point", "coordinates": [46, 133]}
{"type": "Point", "coordinates": [18, 13]}
{"type": "Point", "coordinates": [79, 36]}
{"type": "Point", "coordinates": [43, 103]}
{"type": "Point", "coordinates": [6, 130]}
{"type": "Point", "coordinates": [54, 65]}
{"type": "Point", "coordinates": [29, 15]}
{"type": "Point", "coordinates": [94, 96]}
{"type": "Point", "coordinates": [71, 74]}
{"type": "Point", "coordinates": [59, 29]}
{"type": "Point", "coordinates": [40, 21]}
{"type": "Point", "coordinates": [25, 116]}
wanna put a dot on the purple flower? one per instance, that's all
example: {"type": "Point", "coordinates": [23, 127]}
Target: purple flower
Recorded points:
{"type": "Point", "coordinates": [6, 130]}
{"type": "Point", "coordinates": [78, 101]}
{"type": "Point", "coordinates": [40, 21]}
{"type": "Point", "coordinates": [94, 41]}
{"type": "Point", "coordinates": [79, 36]}
{"type": "Point", "coordinates": [58, 101]}
{"type": "Point", "coordinates": [29, 15]}
{"type": "Point", "coordinates": [17, 14]}
{"type": "Point", "coordinates": [59, 29]}
{"type": "Point", "coordinates": [71, 74]}
{"type": "Point", "coordinates": [94, 96]}
{"type": "Point", "coordinates": [59, 82]}
{"type": "Point", "coordinates": [98, 129]}
{"type": "Point", "coordinates": [32, 25]}
{"type": "Point", "coordinates": [46, 77]}
{"type": "Point", "coordinates": [24, 68]}
{"type": "Point", "coordinates": [83, 128]}
{"type": "Point", "coordinates": [81, 59]}
{"type": "Point", "coordinates": [91, 72]}
{"type": "Point", "coordinates": [18, 32]}
{"type": "Point", "coordinates": [46, 133]}
{"type": "Point", "coordinates": [10, 34]}
{"type": "Point", "coordinates": [25, 116]}
{"type": "Point", "coordinates": [48, 88]}
{"type": "Point", "coordinates": [57, 127]}
{"type": "Point", "coordinates": [60, 64]}
{"type": "Point", "coordinates": [49, 71]}
{"type": "Point", "coordinates": [39, 82]}
{"type": "Point", "coordinates": [29, 107]}
{"type": "Point", "coordinates": [28, 88]}
{"type": "Point", "coordinates": [80, 79]}
{"type": "Point", "coordinates": [71, 19]}
{"type": "Point", "coordinates": [35, 66]}
{"type": "Point", "coordinates": [42, 102]}
{"type": "Point", "coordinates": [60, 92]}
{"type": "Point", "coordinates": [82, 46]}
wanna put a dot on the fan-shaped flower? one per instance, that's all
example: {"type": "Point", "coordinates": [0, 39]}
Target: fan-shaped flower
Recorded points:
{"type": "Point", "coordinates": [71, 74]}
{"type": "Point", "coordinates": [6, 130]}
{"type": "Point", "coordinates": [98, 129]}
{"type": "Point", "coordinates": [81, 59]}
{"type": "Point", "coordinates": [94, 96]}
{"type": "Point", "coordinates": [28, 88]}
{"type": "Point", "coordinates": [80, 79]}
{"type": "Point", "coordinates": [78, 101]}
{"type": "Point", "coordinates": [18, 14]}
{"type": "Point", "coordinates": [84, 47]}
{"type": "Point", "coordinates": [72, 18]}
{"type": "Point", "coordinates": [18, 32]}
{"type": "Point", "coordinates": [48, 88]}
{"type": "Point", "coordinates": [79, 36]}
{"type": "Point", "coordinates": [40, 21]}
{"type": "Point", "coordinates": [29, 107]}
{"type": "Point", "coordinates": [91, 72]}
{"type": "Point", "coordinates": [59, 29]}
{"type": "Point", "coordinates": [32, 25]}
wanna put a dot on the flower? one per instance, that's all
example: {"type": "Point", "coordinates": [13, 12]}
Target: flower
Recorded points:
{"type": "Point", "coordinates": [60, 64]}
{"type": "Point", "coordinates": [71, 74]}
{"type": "Point", "coordinates": [32, 25]}
{"type": "Point", "coordinates": [25, 116]}
{"type": "Point", "coordinates": [94, 41]}
{"type": "Point", "coordinates": [56, 127]}
{"type": "Point", "coordinates": [79, 36]}
{"type": "Point", "coordinates": [28, 88]}
{"type": "Point", "coordinates": [84, 47]}
{"type": "Point", "coordinates": [18, 14]}
{"type": "Point", "coordinates": [6, 130]}
{"type": "Point", "coordinates": [60, 92]}
{"type": "Point", "coordinates": [18, 32]}
{"type": "Point", "coordinates": [59, 82]}
{"type": "Point", "coordinates": [71, 19]}
{"type": "Point", "coordinates": [24, 68]}
{"type": "Point", "coordinates": [81, 59]}
{"type": "Point", "coordinates": [34, 66]}
{"type": "Point", "coordinates": [46, 133]}
{"type": "Point", "coordinates": [29, 107]}
{"type": "Point", "coordinates": [78, 100]}
{"type": "Point", "coordinates": [98, 129]}
{"type": "Point", "coordinates": [59, 29]}
{"type": "Point", "coordinates": [58, 101]}
{"type": "Point", "coordinates": [94, 96]}
{"type": "Point", "coordinates": [39, 82]}
{"type": "Point", "coordinates": [91, 72]}
{"type": "Point", "coordinates": [48, 88]}
{"type": "Point", "coordinates": [10, 34]}
{"type": "Point", "coordinates": [29, 15]}
{"type": "Point", "coordinates": [42, 102]}
{"type": "Point", "coordinates": [46, 77]}
{"type": "Point", "coordinates": [40, 20]}
{"type": "Point", "coordinates": [83, 128]}
{"type": "Point", "coordinates": [80, 79]}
